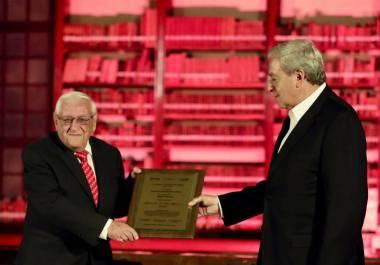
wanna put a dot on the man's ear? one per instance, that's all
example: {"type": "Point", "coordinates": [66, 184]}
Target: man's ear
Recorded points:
{"type": "Point", "coordinates": [300, 77]}
{"type": "Point", "coordinates": [300, 74]}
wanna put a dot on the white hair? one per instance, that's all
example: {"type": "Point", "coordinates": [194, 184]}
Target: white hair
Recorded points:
{"type": "Point", "coordinates": [300, 54]}
{"type": "Point", "coordinates": [74, 95]}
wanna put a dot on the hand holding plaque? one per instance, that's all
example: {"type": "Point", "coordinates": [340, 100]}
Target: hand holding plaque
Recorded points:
{"type": "Point", "coordinates": [159, 206]}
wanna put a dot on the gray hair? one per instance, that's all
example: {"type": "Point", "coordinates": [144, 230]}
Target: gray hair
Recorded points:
{"type": "Point", "coordinates": [300, 54]}
{"type": "Point", "coordinates": [74, 95]}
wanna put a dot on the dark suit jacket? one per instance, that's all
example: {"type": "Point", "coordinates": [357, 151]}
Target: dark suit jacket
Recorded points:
{"type": "Point", "coordinates": [62, 224]}
{"type": "Point", "coordinates": [314, 198]}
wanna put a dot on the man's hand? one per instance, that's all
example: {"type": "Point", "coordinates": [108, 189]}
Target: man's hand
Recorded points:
{"type": "Point", "coordinates": [135, 171]}
{"type": "Point", "coordinates": [208, 204]}
{"type": "Point", "coordinates": [122, 232]}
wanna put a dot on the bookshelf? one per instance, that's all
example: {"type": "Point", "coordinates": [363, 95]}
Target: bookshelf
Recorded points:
{"type": "Point", "coordinates": [169, 94]}
{"type": "Point", "coordinates": [215, 112]}
{"type": "Point", "coordinates": [172, 97]}
{"type": "Point", "coordinates": [176, 89]}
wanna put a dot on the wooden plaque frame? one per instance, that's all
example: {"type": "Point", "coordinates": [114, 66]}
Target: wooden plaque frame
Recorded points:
{"type": "Point", "coordinates": [159, 202]}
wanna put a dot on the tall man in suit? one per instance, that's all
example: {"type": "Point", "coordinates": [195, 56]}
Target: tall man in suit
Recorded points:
{"type": "Point", "coordinates": [75, 185]}
{"type": "Point", "coordinates": [314, 198]}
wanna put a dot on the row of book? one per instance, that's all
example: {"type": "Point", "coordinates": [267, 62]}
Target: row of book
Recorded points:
{"type": "Point", "coordinates": [216, 139]}
{"type": "Point", "coordinates": [198, 141]}
{"type": "Point", "coordinates": [216, 32]}
{"type": "Point", "coordinates": [130, 133]}
{"type": "Point", "coordinates": [211, 98]}
{"type": "Point", "coordinates": [373, 172]}
{"type": "Point", "coordinates": [126, 134]}
{"type": "Point", "coordinates": [216, 130]}
{"type": "Point", "coordinates": [181, 32]}
{"type": "Point", "coordinates": [371, 129]}
{"type": "Point", "coordinates": [180, 69]}
{"type": "Point", "coordinates": [116, 98]}
{"type": "Point", "coordinates": [371, 243]}
{"type": "Point", "coordinates": [97, 69]}
{"type": "Point", "coordinates": [339, 36]}
{"type": "Point", "coordinates": [113, 36]}
{"type": "Point", "coordinates": [366, 103]}
{"type": "Point", "coordinates": [16, 204]}
{"type": "Point", "coordinates": [352, 68]}
{"type": "Point", "coordinates": [229, 173]}
{"type": "Point", "coordinates": [123, 102]}
{"type": "Point", "coordinates": [363, 97]}
{"type": "Point", "coordinates": [120, 99]}
{"type": "Point", "coordinates": [226, 174]}
{"type": "Point", "coordinates": [372, 135]}
{"type": "Point", "coordinates": [372, 213]}
{"type": "Point", "coordinates": [128, 111]}
{"type": "Point", "coordinates": [140, 102]}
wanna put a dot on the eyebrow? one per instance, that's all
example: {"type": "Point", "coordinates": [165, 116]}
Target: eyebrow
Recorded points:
{"type": "Point", "coordinates": [81, 116]}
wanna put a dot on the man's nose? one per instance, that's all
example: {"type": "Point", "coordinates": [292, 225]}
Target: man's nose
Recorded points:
{"type": "Point", "coordinates": [75, 125]}
{"type": "Point", "coordinates": [269, 87]}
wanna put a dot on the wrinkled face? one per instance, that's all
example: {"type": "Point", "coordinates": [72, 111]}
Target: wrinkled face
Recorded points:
{"type": "Point", "coordinates": [285, 88]}
{"type": "Point", "coordinates": [75, 123]}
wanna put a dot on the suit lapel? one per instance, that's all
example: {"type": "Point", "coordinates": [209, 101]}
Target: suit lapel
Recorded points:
{"type": "Point", "coordinates": [73, 165]}
{"type": "Point", "coordinates": [281, 135]}
{"type": "Point", "coordinates": [300, 130]}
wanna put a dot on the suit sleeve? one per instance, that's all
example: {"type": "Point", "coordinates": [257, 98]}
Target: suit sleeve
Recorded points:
{"type": "Point", "coordinates": [244, 204]}
{"type": "Point", "coordinates": [125, 190]}
{"type": "Point", "coordinates": [344, 189]}
{"type": "Point", "coordinates": [50, 207]}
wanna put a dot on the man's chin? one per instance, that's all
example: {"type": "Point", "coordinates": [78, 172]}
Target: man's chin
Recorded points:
{"type": "Point", "coordinates": [76, 143]}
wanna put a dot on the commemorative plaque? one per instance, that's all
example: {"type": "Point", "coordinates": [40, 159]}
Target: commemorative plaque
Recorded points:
{"type": "Point", "coordinates": [159, 203]}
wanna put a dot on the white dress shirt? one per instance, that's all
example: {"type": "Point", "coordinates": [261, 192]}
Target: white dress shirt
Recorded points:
{"type": "Point", "coordinates": [104, 233]}
{"type": "Point", "coordinates": [296, 113]}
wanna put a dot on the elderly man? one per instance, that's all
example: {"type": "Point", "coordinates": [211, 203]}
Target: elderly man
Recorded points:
{"type": "Point", "coordinates": [314, 198]}
{"type": "Point", "coordinates": [75, 186]}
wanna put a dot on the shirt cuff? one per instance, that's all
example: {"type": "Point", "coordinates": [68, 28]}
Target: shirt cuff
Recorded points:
{"type": "Point", "coordinates": [220, 209]}
{"type": "Point", "coordinates": [104, 233]}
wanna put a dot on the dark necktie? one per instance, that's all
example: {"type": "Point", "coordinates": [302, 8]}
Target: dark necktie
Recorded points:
{"type": "Point", "coordinates": [284, 130]}
{"type": "Point", "coordinates": [89, 173]}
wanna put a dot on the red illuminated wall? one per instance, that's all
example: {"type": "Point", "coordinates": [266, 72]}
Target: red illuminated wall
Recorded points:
{"type": "Point", "coordinates": [289, 7]}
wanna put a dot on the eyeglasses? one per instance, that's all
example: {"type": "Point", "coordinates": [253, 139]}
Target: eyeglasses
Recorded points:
{"type": "Point", "coordinates": [80, 120]}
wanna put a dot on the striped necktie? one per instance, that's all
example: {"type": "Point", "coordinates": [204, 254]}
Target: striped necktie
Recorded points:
{"type": "Point", "coordinates": [89, 173]}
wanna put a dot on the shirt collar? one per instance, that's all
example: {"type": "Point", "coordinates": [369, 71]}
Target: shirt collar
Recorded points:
{"type": "Point", "coordinates": [88, 148]}
{"type": "Point", "coordinates": [296, 113]}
